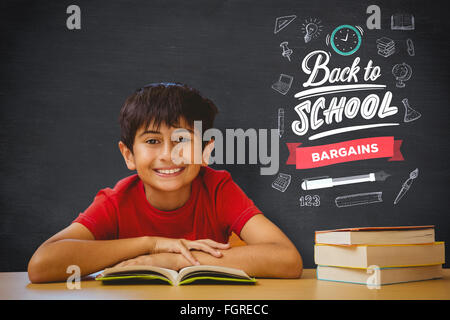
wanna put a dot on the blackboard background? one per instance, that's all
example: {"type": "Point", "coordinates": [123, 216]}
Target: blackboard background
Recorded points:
{"type": "Point", "coordinates": [61, 91]}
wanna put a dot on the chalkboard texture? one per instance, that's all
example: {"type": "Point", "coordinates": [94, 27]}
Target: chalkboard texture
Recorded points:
{"type": "Point", "coordinates": [64, 80]}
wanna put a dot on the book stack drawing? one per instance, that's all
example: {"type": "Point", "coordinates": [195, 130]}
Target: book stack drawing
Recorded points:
{"type": "Point", "coordinates": [378, 256]}
{"type": "Point", "coordinates": [385, 46]}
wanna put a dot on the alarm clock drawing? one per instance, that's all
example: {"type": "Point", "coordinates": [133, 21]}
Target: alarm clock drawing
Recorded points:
{"type": "Point", "coordinates": [346, 39]}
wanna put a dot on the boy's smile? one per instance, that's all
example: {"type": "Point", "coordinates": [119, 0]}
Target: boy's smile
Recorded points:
{"type": "Point", "coordinates": [169, 172]}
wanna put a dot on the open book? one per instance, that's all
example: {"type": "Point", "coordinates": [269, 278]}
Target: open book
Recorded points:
{"type": "Point", "coordinates": [186, 275]}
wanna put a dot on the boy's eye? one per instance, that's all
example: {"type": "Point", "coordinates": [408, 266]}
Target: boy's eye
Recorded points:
{"type": "Point", "coordinates": [152, 141]}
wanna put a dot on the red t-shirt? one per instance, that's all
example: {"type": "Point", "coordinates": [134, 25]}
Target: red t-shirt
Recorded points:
{"type": "Point", "coordinates": [215, 208]}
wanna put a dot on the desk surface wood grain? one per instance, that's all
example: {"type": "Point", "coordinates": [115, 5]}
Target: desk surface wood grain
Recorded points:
{"type": "Point", "coordinates": [15, 285]}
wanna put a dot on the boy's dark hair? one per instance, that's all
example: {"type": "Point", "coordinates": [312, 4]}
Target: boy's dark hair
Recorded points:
{"type": "Point", "coordinates": [164, 103]}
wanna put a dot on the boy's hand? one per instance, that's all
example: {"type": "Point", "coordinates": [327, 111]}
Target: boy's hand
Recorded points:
{"type": "Point", "coordinates": [166, 260]}
{"type": "Point", "coordinates": [184, 246]}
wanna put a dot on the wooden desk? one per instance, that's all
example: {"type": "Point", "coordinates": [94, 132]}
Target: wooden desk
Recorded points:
{"type": "Point", "coordinates": [15, 285]}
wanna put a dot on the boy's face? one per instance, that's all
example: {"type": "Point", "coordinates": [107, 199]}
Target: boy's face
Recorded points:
{"type": "Point", "coordinates": [163, 158]}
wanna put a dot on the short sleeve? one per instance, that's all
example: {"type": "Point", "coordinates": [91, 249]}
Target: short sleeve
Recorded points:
{"type": "Point", "coordinates": [100, 218]}
{"type": "Point", "coordinates": [234, 207]}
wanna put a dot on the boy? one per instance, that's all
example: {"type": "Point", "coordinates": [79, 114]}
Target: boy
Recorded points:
{"type": "Point", "coordinates": [174, 212]}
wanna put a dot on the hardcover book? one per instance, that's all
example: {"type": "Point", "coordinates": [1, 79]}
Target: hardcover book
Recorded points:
{"type": "Point", "coordinates": [385, 275]}
{"type": "Point", "coordinates": [364, 256]}
{"type": "Point", "coordinates": [377, 235]}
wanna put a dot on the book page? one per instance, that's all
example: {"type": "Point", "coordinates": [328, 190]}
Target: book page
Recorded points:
{"type": "Point", "coordinates": [231, 271]}
{"type": "Point", "coordinates": [168, 273]}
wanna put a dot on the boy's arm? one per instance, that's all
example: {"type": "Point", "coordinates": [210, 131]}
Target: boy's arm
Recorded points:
{"type": "Point", "coordinates": [76, 245]}
{"type": "Point", "coordinates": [268, 253]}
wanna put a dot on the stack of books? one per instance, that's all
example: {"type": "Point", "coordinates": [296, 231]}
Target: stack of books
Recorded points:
{"type": "Point", "coordinates": [386, 47]}
{"type": "Point", "coordinates": [396, 254]}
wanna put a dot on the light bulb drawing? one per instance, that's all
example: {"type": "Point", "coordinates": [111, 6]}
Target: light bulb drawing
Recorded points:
{"type": "Point", "coordinates": [311, 28]}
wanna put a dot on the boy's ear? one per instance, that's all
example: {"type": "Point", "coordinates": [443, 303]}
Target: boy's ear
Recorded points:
{"type": "Point", "coordinates": [127, 156]}
{"type": "Point", "coordinates": [207, 153]}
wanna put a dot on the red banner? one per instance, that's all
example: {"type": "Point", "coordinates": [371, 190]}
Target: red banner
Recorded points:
{"type": "Point", "coordinates": [353, 150]}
